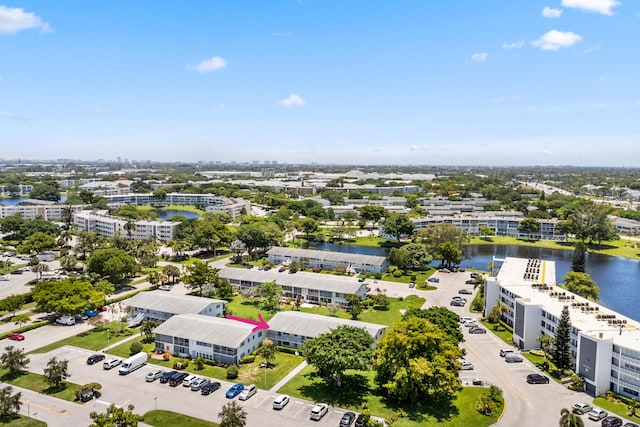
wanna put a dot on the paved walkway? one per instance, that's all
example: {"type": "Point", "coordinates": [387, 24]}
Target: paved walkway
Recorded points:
{"type": "Point", "coordinates": [288, 377]}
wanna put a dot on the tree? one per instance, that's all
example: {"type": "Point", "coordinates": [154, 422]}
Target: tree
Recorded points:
{"type": "Point", "coordinates": [238, 248]}
{"type": "Point", "coordinates": [529, 226]}
{"type": "Point", "coordinates": [232, 415]}
{"type": "Point", "coordinates": [342, 348]}
{"type": "Point", "coordinates": [415, 361]}
{"type": "Point", "coordinates": [171, 272]}
{"type": "Point", "coordinates": [435, 237]}
{"type": "Point", "coordinates": [147, 328]}
{"type": "Point", "coordinates": [579, 257]}
{"type": "Point", "coordinates": [398, 225]}
{"type": "Point", "coordinates": [372, 214]}
{"type": "Point", "coordinates": [270, 292]}
{"type": "Point", "coordinates": [43, 191]}
{"type": "Point", "coordinates": [21, 319]}
{"type": "Point", "coordinates": [416, 257]}
{"type": "Point", "coordinates": [268, 351]}
{"type": "Point", "coordinates": [562, 349]}
{"type": "Point", "coordinates": [224, 290]}
{"type": "Point", "coordinates": [446, 320]}
{"type": "Point", "coordinates": [14, 360]}
{"type": "Point", "coordinates": [399, 258]}
{"type": "Point", "coordinates": [68, 296]}
{"type": "Point", "coordinates": [56, 372]}
{"type": "Point", "coordinates": [9, 404]}
{"type": "Point", "coordinates": [497, 311]}
{"type": "Point", "coordinates": [450, 254]}
{"type": "Point", "coordinates": [294, 267]}
{"type": "Point", "coordinates": [490, 402]}
{"type": "Point", "coordinates": [546, 342]}
{"type": "Point", "coordinates": [485, 231]}
{"type": "Point", "coordinates": [210, 233]}
{"type": "Point", "coordinates": [569, 419]}
{"type": "Point", "coordinates": [37, 242]}
{"type": "Point", "coordinates": [12, 303]}
{"type": "Point", "coordinates": [199, 274]}
{"type": "Point", "coordinates": [581, 284]}
{"type": "Point", "coordinates": [114, 264]}
{"type": "Point", "coordinates": [308, 225]}
{"type": "Point", "coordinates": [355, 305]}
{"type": "Point", "coordinates": [39, 269]}
{"type": "Point", "coordinates": [116, 417]}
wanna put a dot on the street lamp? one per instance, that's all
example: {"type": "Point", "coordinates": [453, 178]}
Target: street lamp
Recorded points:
{"type": "Point", "coordinates": [155, 402]}
{"type": "Point", "coordinates": [108, 331]}
{"type": "Point", "coordinates": [29, 408]}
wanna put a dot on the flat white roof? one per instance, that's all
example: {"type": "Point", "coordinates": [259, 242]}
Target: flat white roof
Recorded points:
{"type": "Point", "coordinates": [312, 325]}
{"type": "Point", "coordinates": [327, 255]}
{"type": "Point", "coordinates": [583, 313]}
{"type": "Point", "coordinates": [211, 330]}
{"type": "Point", "coordinates": [165, 302]}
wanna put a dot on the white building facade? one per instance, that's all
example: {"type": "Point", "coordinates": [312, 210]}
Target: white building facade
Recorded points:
{"type": "Point", "coordinates": [102, 223]}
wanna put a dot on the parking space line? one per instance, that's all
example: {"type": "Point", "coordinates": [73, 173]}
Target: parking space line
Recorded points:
{"type": "Point", "coordinates": [46, 408]}
{"type": "Point", "coordinates": [492, 369]}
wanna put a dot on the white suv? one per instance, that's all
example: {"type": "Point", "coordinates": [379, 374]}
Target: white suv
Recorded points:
{"type": "Point", "coordinates": [319, 411]}
{"type": "Point", "coordinates": [596, 414]}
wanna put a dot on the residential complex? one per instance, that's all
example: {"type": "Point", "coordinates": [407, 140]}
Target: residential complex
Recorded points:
{"type": "Point", "coordinates": [309, 258]}
{"type": "Point", "coordinates": [292, 328]}
{"type": "Point", "coordinates": [49, 212]}
{"type": "Point", "coordinates": [311, 288]}
{"type": "Point", "coordinates": [103, 223]}
{"type": "Point", "coordinates": [604, 344]}
{"type": "Point", "coordinates": [161, 306]}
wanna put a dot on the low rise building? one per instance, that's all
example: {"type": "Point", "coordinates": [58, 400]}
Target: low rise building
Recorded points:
{"type": "Point", "coordinates": [49, 212]}
{"type": "Point", "coordinates": [161, 306]}
{"type": "Point", "coordinates": [326, 260]}
{"type": "Point", "coordinates": [292, 328]}
{"type": "Point", "coordinates": [103, 223]}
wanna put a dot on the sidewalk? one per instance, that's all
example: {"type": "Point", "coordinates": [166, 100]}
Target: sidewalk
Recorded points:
{"type": "Point", "coordinates": [288, 377]}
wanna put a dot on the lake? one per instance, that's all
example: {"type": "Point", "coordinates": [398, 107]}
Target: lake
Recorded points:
{"type": "Point", "coordinates": [165, 214]}
{"type": "Point", "coordinates": [618, 278]}
{"type": "Point", "coordinates": [17, 200]}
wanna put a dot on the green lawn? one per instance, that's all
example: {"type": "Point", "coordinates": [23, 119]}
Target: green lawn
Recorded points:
{"type": "Point", "coordinates": [94, 339]}
{"type": "Point", "coordinates": [421, 278]}
{"type": "Point", "coordinates": [37, 383]}
{"type": "Point", "coordinates": [617, 408]}
{"type": "Point", "coordinates": [241, 307]}
{"type": "Point", "coordinates": [503, 332]}
{"type": "Point", "coordinates": [171, 419]}
{"type": "Point", "coordinates": [360, 388]}
{"type": "Point", "coordinates": [22, 421]}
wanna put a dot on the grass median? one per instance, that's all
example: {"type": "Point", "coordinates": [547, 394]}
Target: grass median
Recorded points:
{"type": "Point", "coordinates": [94, 339]}
{"type": "Point", "coordinates": [160, 418]}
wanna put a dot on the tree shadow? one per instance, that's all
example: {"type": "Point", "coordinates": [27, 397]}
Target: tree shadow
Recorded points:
{"type": "Point", "coordinates": [600, 247]}
{"type": "Point", "coordinates": [440, 409]}
{"type": "Point", "coordinates": [10, 376]}
{"type": "Point", "coordinates": [55, 389]}
{"type": "Point", "coordinates": [354, 388]}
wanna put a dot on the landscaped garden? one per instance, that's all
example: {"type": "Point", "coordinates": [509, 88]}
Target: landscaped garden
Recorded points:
{"type": "Point", "coordinates": [94, 339]}
{"type": "Point", "coordinates": [37, 383]}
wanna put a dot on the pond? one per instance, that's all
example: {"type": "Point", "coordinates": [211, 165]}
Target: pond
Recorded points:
{"type": "Point", "coordinates": [165, 214]}
{"type": "Point", "coordinates": [17, 200]}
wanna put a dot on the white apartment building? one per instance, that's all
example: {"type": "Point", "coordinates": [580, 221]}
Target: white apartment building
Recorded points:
{"type": "Point", "coordinates": [211, 203]}
{"type": "Point", "coordinates": [103, 223]}
{"type": "Point", "coordinates": [161, 306]}
{"type": "Point", "coordinates": [605, 345]}
{"type": "Point", "coordinates": [47, 212]}
{"type": "Point", "coordinates": [328, 260]}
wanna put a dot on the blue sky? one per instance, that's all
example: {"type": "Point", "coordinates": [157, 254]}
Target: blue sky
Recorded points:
{"type": "Point", "coordinates": [406, 82]}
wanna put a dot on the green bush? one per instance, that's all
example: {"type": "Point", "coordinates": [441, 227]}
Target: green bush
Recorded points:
{"type": "Point", "coordinates": [247, 359]}
{"type": "Point", "coordinates": [232, 372]}
{"type": "Point", "coordinates": [135, 347]}
{"type": "Point", "coordinates": [287, 350]}
{"type": "Point", "coordinates": [378, 276]}
{"type": "Point", "coordinates": [397, 273]}
{"type": "Point", "coordinates": [413, 277]}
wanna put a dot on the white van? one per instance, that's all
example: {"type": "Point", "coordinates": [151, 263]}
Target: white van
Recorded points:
{"type": "Point", "coordinates": [248, 391]}
{"type": "Point", "coordinates": [66, 320]}
{"type": "Point", "coordinates": [133, 363]}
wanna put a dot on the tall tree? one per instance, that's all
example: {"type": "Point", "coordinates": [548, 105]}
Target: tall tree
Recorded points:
{"type": "Point", "coordinates": [562, 349]}
{"type": "Point", "coordinates": [116, 416]}
{"type": "Point", "coordinates": [450, 254]}
{"type": "Point", "coordinates": [56, 372]}
{"type": "Point", "coordinates": [581, 284]}
{"type": "Point", "coordinates": [114, 264]}
{"type": "Point", "coordinates": [332, 353]}
{"type": "Point", "coordinates": [232, 415]}
{"type": "Point", "coordinates": [238, 248]}
{"type": "Point", "coordinates": [416, 361]}
{"type": "Point", "coordinates": [68, 296]}
{"type": "Point", "coordinates": [579, 257]}
{"type": "Point", "coordinates": [436, 236]}
{"type": "Point", "coordinates": [373, 214]}
{"type": "Point", "coordinates": [147, 328]}
{"type": "Point", "coordinates": [417, 256]}
{"type": "Point", "coordinates": [271, 293]}
{"type": "Point", "coordinates": [398, 225]}
{"type": "Point", "coordinates": [199, 274]}
{"type": "Point", "coordinates": [9, 404]}
{"type": "Point", "coordinates": [529, 226]}
{"type": "Point", "coordinates": [210, 233]}
{"type": "Point", "coordinates": [268, 351]}
{"type": "Point", "coordinates": [546, 342]}
{"type": "Point", "coordinates": [355, 305]}
{"type": "Point", "coordinates": [442, 317]}
{"type": "Point", "coordinates": [14, 360]}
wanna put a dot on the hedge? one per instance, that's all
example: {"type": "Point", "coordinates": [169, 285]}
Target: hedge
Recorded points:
{"type": "Point", "coordinates": [25, 328]}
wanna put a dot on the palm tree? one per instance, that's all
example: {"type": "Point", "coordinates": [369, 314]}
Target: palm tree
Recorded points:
{"type": "Point", "coordinates": [546, 341]}
{"type": "Point", "coordinates": [39, 269]}
{"type": "Point", "coordinates": [129, 227]}
{"type": "Point", "coordinates": [569, 419]}
{"type": "Point", "coordinates": [232, 415]}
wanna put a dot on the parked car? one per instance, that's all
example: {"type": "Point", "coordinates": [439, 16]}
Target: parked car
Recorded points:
{"type": "Point", "coordinates": [319, 411]}
{"type": "Point", "coordinates": [132, 363]}
{"type": "Point", "coordinates": [465, 291]}
{"type": "Point", "coordinates": [477, 330]}
{"type": "Point", "coordinates": [198, 383]}
{"type": "Point", "coordinates": [347, 419]}
{"type": "Point", "coordinates": [412, 285]}
{"type": "Point", "coordinates": [470, 282]}
{"type": "Point", "coordinates": [505, 351]}
{"type": "Point", "coordinates": [166, 376]}
{"type": "Point", "coordinates": [95, 358]}
{"type": "Point", "coordinates": [513, 358]}
{"type": "Point", "coordinates": [87, 394]}
{"type": "Point", "coordinates": [165, 287]}
{"type": "Point", "coordinates": [444, 270]}
{"type": "Point", "coordinates": [464, 319]}
{"type": "Point", "coordinates": [457, 303]}
{"type": "Point", "coordinates": [537, 379]}
{"type": "Point", "coordinates": [361, 280]}
{"type": "Point", "coordinates": [186, 382]}
{"type": "Point", "coordinates": [459, 298]}
{"type": "Point", "coordinates": [90, 313]}
{"type": "Point", "coordinates": [153, 375]}
{"type": "Point", "coordinates": [18, 271]}
{"type": "Point", "coordinates": [66, 320]}
{"type": "Point", "coordinates": [111, 363]}
{"type": "Point", "coordinates": [248, 391]}
{"type": "Point", "coordinates": [465, 365]}
{"type": "Point", "coordinates": [433, 279]}
{"type": "Point", "coordinates": [281, 401]}
{"type": "Point", "coordinates": [207, 389]}
{"type": "Point", "coordinates": [631, 425]}
{"type": "Point", "coordinates": [235, 390]}
{"type": "Point", "coordinates": [476, 381]}
{"type": "Point", "coordinates": [582, 408]}
{"type": "Point", "coordinates": [5, 278]}
{"type": "Point", "coordinates": [359, 421]}
{"type": "Point", "coordinates": [474, 275]}
{"type": "Point", "coordinates": [596, 414]}
{"type": "Point", "coordinates": [16, 336]}
{"type": "Point", "coordinates": [177, 378]}
{"type": "Point", "coordinates": [612, 421]}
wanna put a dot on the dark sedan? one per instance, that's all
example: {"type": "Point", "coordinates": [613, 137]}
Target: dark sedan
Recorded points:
{"type": "Point", "coordinates": [95, 358]}
{"type": "Point", "coordinates": [207, 389]}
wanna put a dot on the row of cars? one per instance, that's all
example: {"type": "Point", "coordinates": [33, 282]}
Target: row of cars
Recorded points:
{"type": "Point", "coordinates": [597, 414]}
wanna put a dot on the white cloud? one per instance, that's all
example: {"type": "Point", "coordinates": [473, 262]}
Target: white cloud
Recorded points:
{"type": "Point", "coordinates": [555, 40]}
{"type": "Point", "coordinates": [551, 13]}
{"type": "Point", "coordinates": [12, 116]}
{"type": "Point", "coordinates": [480, 56]}
{"type": "Point", "coordinates": [514, 45]}
{"type": "Point", "coordinates": [210, 65]}
{"type": "Point", "coordinates": [292, 101]}
{"type": "Point", "coordinates": [13, 20]}
{"type": "Point", "coordinates": [602, 7]}
{"type": "Point", "coordinates": [415, 147]}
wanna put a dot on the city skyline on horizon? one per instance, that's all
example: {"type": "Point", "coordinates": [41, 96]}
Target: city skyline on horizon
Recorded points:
{"type": "Point", "coordinates": [333, 83]}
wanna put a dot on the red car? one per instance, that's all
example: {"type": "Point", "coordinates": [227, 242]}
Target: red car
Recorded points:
{"type": "Point", "coordinates": [16, 336]}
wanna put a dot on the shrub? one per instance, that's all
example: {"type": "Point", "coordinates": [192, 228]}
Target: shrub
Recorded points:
{"type": "Point", "coordinates": [166, 356]}
{"type": "Point", "coordinates": [135, 347]}
{"type": "Point", "coordinates": [287, 350]}
{"type": "Point", "coordinates": [247, 359]}
{"type": "Point", "coordinates": [232, 372]}
{"type": "Point", "coordinates": [397, 273]}
{"type": "Point", "coordinates": [400, 298]}
{"type": "Point", "coordinates": [378, 276]}
{"type": "Point", "coordinates": [414, 277]}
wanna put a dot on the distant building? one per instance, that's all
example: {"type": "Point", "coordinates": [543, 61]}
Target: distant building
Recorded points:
{"type": "Point", "coordinates": [45, 211]}
{"type": "Point", "coordinates": [328, 260]}
{"type": "Point", "coordinates": [102, 223]}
